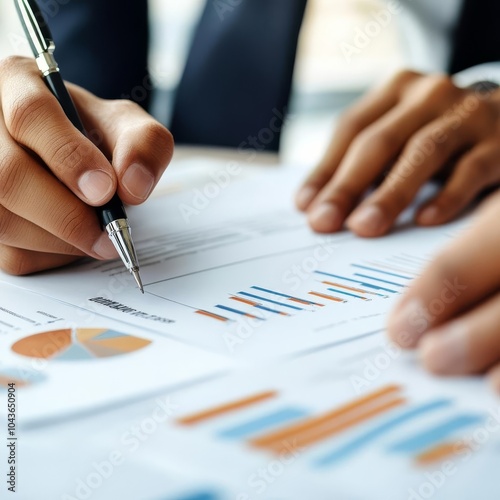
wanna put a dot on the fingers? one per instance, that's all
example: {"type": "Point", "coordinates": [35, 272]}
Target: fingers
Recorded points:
{"type": "Point", "coordinates": [366, 111]}
{"type": "Point", "coordinates": [366, 159]}
{"type": "Point", "coordinates": [34, 119]}
{"type": "Point", "coordinates": [18, 261]}
{"type": "Point", "coordinates": [465, 274]}
{"type": "Point", "coordinates": [476, 171]}
{"type": "Point", "coordinates": [33, 194]}
{"type": "Point", "coordinates": [20, 233]}
{"type": "Point", "coordinates": [422, 99]}
{"type": "Point", "coordinates": [426, 152]}
{"type": "Point", "coordinates": [468, 344]}
{"type": "Point", "coordinates": [139, 147]}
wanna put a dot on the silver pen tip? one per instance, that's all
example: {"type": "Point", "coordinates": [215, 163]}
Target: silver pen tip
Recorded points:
{"type": "Point", "coordinates": [137, 277]}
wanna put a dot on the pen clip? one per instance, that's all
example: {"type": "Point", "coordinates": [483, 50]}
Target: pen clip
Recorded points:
{"type": "Point", "coordinates": [35, 26]}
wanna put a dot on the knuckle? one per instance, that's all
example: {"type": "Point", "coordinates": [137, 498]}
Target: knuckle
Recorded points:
{"type": "Point", "coordinates": [71, 153]}
{"type": "Point", "coordinates": [441, 87]}
{"type": "Point", "coordinates": [479, 168]}
{"type": "Point", "coordinates": [451, 199]}
{"type": "Point", "coordinates": [11, 176]}
{"type": "Point", "coordinates": [394, 200]}
{"type": "Point", "coordinates": [378, 141]}
{"type": "Point", "coordinates": [157, 134]}
{"type": "Point", "coordinates": [350, 121]}
{"type": "Point", "coordinates": [343, 194]}
{"type": "Point", "coordinates": [10, 64]}
{"type": "Point", "coordinates": [405, 76]}
{"type": "Point", "coordinates": [5, 224]}
{"type": "Point", "coordinates": [73, 227]}
{"type": "Point", "coordinates": [443, 267]}
{"type": "Point", "coordinates": [24, 110]}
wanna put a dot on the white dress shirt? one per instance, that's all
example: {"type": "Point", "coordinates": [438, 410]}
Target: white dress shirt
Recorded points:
{"type": "Point", "coordinates": [426, 28]}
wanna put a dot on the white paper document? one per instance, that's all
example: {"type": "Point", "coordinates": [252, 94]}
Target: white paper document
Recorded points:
{"type": "Point", "coordinates": [254, 366]}
{"type": "Point", "coordinates": [244, 276]}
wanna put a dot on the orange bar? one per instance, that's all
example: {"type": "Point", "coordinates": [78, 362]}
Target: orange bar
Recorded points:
{"type": "Point", "coordinates": [197, 418]}
{"type": "Point", "coordinates": [211, 315]}
{"type": "Point", "coordinates": [245, 301]}
{"type": "Point", "coordinates": [305, 303]}
{"type": "Point", "coordinates": [315, 422]}
{"type": "Point", "coordinates": [334, 427]}
{"type": "Point", "coordinates": [350, 288]}
{"type": "Point", "coordinates": [327, 297]}
{"type": "Point", "coordinates": [440, 452]}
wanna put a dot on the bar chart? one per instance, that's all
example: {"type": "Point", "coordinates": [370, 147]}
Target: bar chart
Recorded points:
{"type": "Point", "coordinates": [359, 282]}
{"type": "Point", "coordinates": [432, 429]}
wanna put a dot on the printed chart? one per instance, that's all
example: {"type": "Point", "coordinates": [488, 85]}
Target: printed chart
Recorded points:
{"type": "Point", "coordinates": [22, 377]}
{"type": "Point", "coordinates": [432, 429]}
{"type": "Point", "coordinates": [366, 281]}
{"type": "Point", "coordinates": [78, 344]}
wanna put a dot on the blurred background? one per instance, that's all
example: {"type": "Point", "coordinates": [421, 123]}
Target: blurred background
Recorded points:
{"type": "Point", "coordinates": [325, 79]}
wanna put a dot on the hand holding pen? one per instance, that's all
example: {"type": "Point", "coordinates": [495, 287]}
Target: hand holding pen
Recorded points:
{"type": "Point", "coordinates": [51, 175]}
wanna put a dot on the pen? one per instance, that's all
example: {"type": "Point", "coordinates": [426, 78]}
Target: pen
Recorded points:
{"type": "Point", "coordinates": [112, 215]}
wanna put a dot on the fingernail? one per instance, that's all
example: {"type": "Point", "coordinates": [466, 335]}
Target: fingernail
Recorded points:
{"type": "Point", "coordinates": [326, 217]}
{"type": "Point", "coordinates": [305, 195]}
{"type": "Point", "coordinates": [445, 350]}
{"type": "Point", "coordinates": [138, 181]}
{"type": "Point", "coordinates": [96, 185]}
{"type": "Point", "coordinates": [406, 325]}
{"type": "Point", "coordinates": [104, 248]}
{"type": "Point", "coordinates": [429, 215]}
{"type": "Point", "coordinates": [368, 219]}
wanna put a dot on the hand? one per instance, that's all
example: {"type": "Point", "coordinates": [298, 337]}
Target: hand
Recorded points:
{"type": "Point", "coordinates": [414, 126]}
{"type": "Point", "coordinates": [452, 312]}
{"type": "Point", "coordinates": [51, 175]}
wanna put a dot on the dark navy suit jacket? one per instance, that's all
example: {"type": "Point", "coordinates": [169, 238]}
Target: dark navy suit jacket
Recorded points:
{"type": "Point", "coordinates": [230, 91]}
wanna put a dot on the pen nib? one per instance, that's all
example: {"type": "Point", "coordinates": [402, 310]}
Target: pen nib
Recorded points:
{"type": "Point", "coordinates": [137, 277]}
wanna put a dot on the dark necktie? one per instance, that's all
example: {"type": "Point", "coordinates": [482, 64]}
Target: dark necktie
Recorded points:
{"type": "Point", "coordinates": [236, 85]}
{"type": "Point", "coordinates": [477, 37]}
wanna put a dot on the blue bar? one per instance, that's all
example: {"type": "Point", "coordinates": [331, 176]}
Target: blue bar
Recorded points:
{"type": "Point", "coordinates": [368, 285]}
{"type": "Point", "coordinates": [279, 417]}
{"type": "Point", "coordinates": [270, 301]}
{"type": "Point", "coordinates": [378, 279]}
{"type": "Point", "coordinates": [235, 311]}
{"type": "Point", "coordinates": [284, 295]}
{"type": "Point", "coordinates": [202, 495]}
{"type": "Point", "coordinates": [264, 308]}
{"type": "Point", "coordinates": [343, 452]}
{"type": "Point", "coordinates": [426, 439]}
{"type": "Point", "coordinates": [347, 293]}
{"type": "Point", "coordinates": [379, 271]}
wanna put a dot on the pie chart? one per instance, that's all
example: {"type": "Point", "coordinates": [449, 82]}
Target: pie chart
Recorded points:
{"type": "Point", "coordinates": [79, 344]}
